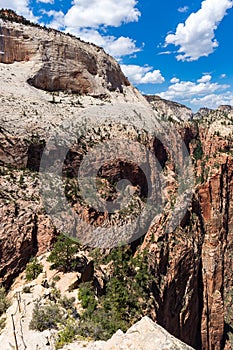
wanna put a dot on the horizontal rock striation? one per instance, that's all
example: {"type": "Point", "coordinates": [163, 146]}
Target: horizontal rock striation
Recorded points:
{"type": "Point", "coordinates": [62, 62]}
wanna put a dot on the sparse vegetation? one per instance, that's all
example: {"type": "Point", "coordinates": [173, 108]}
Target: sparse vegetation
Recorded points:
{"type": "Point", "coordinates": [124, 301]}
{"type": "Point", "coordinates": [62, 256]}
{"type": "Point", "coordinates": [58, 313]}
{"type": "Point", "coordinates": [4, 302]}
{"type": "Point", "coordinates": [33, 269]}
{"type": "Point", "coordinates": [67, 334]}
{"type": "Point", "coordinates": [46, 317]}
{"type": "Point", "coordinates": [2, 323]}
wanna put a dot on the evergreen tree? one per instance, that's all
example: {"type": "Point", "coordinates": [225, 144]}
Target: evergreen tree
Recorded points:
{"type": "Point", "coordinates": [62, 256]}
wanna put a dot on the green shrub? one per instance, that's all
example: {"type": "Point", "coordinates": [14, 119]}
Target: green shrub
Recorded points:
{"type": "Point", "coordinates": [26, 289]}
{"type": "Point", "coordinates": [56, 278]}
{"type": "Point", "coordinates": [33, 269]}
{"type": "Point", "coordinates": [121, 304]}
{"type": "Point", "coordinates": [67, 334]}
{"type": "Point", "coordinates": [4, 302]}
{"type": "Point", "coordinates": [2, 324]}
{"type": "Point", "coordinates": [86, 294]}
{"type": "Point", "coordinates": [67, 303]}
{"type": "Point", "coordinates": [198, 152]}
{"type": "Point", "coordinates": [46, 317]}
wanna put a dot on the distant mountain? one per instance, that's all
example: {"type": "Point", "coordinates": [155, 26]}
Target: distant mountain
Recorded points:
{"type": "Point", "coordinates": [173, 110]}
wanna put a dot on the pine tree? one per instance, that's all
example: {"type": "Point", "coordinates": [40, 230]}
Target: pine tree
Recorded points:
{"type": "Point", "coordinates": [62, 256]}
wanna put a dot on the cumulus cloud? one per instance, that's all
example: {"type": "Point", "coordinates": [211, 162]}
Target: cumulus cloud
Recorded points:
{"type": "Point", "coordinates": [57, 21]}
{"type": "Point", "coordinates": [187, 90]}
{"type": "Point", "coordinates": [174, 80]}
{"type": "Point", "coordinates": [142, 75]}
{"type": "Point", "coordinates": [196, 37]}
{"type": "Point", "coordinates": [20, 6]}
{"type": "Point", "coordinates": [46, 1]}
{"type": "Point", "coordinates": [183, 9]}
{"type": "Point", "coordinates": [121, 46]}
{"type": "Point", "coordinates": [95, 13]}
{"type": "Point", "coordinates": [89, 19]}
{"type": "Point", "coordinates": [214, 100]}
{"type": "Point", "coordinates": [205, 78]}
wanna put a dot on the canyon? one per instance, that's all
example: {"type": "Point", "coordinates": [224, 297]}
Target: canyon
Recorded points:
{"type": "Point", "coordinates": [55, 86]}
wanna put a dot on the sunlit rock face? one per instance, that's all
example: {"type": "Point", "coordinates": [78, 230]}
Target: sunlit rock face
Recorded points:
{"type": "Point", "coordinates": [62, 62]}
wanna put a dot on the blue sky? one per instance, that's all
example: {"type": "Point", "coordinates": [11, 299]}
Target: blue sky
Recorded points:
{"type": "Point", "coordinates": [178, 49]}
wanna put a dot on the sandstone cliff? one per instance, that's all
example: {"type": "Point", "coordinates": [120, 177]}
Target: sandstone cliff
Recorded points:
{"type": "Point", "coordinates": [62, 61]}
{"type": "Point", "coordinates": [195, 261]}
{"type": "Point", "coordinates": [170, 109]}
{"type": "Point", "coordinates": [29, 117]}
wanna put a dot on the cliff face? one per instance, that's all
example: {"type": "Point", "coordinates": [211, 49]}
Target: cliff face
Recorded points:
{"type": "Point", "coordinates": [192, 265]}
{"type": "Point", "coordinates": [31, 57]}
{"type": "Point", "coordinates": [195, 261]}
{"type": "Point", "coordinates": [62, 62]}
{"type": "Point", "coordinates": [173, 110]}
{"type": "Point", "coordinates": [25, 228]}
{"type": "Point", "coordinates": [215, 196]}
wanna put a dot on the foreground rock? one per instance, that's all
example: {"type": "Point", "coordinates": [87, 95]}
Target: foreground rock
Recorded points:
{"type": "Point", "coordinates": [144, 335]}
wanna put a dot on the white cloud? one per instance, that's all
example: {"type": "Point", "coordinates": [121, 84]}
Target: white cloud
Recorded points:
{"type": "Point", "coordinates": [196, 36]}
{"type": "Point", "coordinates": [214, 100]}
{"type": "Point", "coordinates": [205, 78]}
{"type": "Point", "coordinates": [164, 53]}
{"type": "Point", "coordinates": [20, 6]}
{"type": "Point", "coordinates": [58, 18]}
{"type": "Point", "coordinates": [87, 20]}
{"type": "Point", "coordinates": [223, 75]}
{"type": "Point", "coordinates": [187, 90]}
{"type": "Point", "coordinates": [116, 47]}
{"type": "Point", "coordinates": [174, 80]}
{"type": "Point", "coordinates": [121, 46]}
{"type": "Point", "coordinates": [46, 1]}
{"type": "Point", "coordinates": [95, 13]}
{"type": "Point", "coordinates": [183, 9]}
{"type": "Point", "coordinates": [142, 75]}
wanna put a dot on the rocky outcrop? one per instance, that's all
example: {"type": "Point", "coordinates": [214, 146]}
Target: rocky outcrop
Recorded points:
{"type": "Point", "coordinates": [25, 229]}
{"type": "Point", "coordinates": [62, 62]}
{"type": "Point", "coordinates": [202, 113]}
{"type": "Point", "coordinates": [225, 108]}
{"type": "Point", "coordinates": [143, 335]}
{"type": "Point", "coordinates": [169, 109]}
